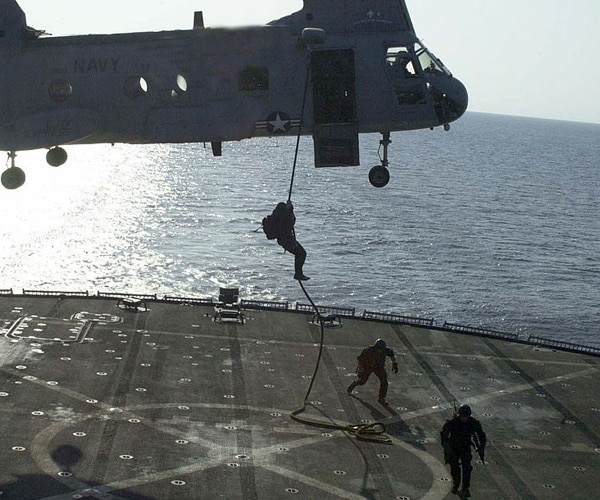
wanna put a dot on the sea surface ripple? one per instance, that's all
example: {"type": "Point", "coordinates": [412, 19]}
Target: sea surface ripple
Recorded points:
{"type": "Point", "coordinates": [494, 224]}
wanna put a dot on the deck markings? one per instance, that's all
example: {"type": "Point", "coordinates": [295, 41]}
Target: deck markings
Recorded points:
{"type": "Point", "coordinates": [218, 455]}
{"type": "Point", "coordinates": [474, 400]}
{"type": "Point", "coordinates": [222, 454]}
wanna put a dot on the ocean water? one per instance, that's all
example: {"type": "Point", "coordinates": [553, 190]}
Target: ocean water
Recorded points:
{"type": "Point", "coordinates": [495, 224]}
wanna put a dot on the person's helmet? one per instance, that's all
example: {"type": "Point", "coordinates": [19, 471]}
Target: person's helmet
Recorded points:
{"type": "Point", "coordinates": [380, 344]}
{"type": "Point", "coordinates": [464, 411]}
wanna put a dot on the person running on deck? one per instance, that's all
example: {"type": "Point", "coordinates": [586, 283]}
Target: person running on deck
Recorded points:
{"type": "Point", "coordinates": [457, 436]}
{"type": "Point", "coordinates": [372, 360]}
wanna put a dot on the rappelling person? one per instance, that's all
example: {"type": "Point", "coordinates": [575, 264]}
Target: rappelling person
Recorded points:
{"type": "Point", "coordinates": [280, 225]}
{"type": "Point", "coordinates": [457, 436]}
{"type": "Point", "coordinates": [372, 360]}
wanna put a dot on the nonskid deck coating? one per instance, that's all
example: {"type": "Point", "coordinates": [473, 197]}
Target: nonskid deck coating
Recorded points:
{"type": "Point", "coordinates": [101, 402]}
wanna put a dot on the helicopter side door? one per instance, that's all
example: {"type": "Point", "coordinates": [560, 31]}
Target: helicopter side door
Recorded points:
{"type": "Point", "coordinates": [335, 130]}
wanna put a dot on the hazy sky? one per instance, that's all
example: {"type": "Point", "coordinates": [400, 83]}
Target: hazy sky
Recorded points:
{"type": "Point", "coordinates": [517, 57]}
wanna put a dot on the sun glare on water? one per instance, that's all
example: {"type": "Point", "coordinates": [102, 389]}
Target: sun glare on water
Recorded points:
{"type": "Point", "coordinates": [73, 221]}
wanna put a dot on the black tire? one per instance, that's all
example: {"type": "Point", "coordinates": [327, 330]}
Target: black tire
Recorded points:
{"type": "Point", "coordinates": [13, 178]}
{"type": "Point", "coordinates": [56, 157]}
{"type": "Point", "coordinates": [379, 176]}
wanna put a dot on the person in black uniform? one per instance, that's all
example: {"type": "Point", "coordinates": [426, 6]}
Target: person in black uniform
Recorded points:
{"type": "Point", "coordinates": [458, 435]}
{"type": "Point", "coordinates": [286, 237]}
{"type": "Point", "coordinates": [372, 360]}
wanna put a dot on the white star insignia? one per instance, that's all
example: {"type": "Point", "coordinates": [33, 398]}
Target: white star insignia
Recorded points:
{"type": "Point", "coordinates": [278, 124]}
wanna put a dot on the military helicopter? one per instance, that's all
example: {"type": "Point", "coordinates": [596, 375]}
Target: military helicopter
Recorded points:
{"type": "Point", "coordinates": [334, 69]}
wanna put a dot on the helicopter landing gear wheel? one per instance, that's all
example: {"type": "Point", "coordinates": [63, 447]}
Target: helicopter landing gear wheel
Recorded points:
{"type": "Point", "coordinates": [13, 177]}
{"type": "Point", "coordinates": [56, 156]}
{"type": "Point", "coordinates": [379, 176]}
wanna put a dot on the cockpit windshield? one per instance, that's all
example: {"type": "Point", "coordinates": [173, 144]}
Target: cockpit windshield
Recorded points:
{"type": "Point", "coordinates": [428, 61]}
{"type": "Point", "coordinates": [418, 78]}
{"type": "Point", "coordinates": [403, 59]}
{"type": "Point", "coordinates": [400, 60]}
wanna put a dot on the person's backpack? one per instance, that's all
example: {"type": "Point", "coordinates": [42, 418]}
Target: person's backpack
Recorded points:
{"type": "Point", "coordinates": [274, 225]}
{"type": "Point", "coordinates": [270, 226]}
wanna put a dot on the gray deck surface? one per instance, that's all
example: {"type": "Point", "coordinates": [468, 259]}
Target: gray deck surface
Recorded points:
{"type": "Point", "coordinates": [168, 404]}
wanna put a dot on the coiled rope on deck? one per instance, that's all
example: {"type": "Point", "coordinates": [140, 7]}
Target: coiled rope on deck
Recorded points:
{"type": "Point", "coordinates": [373, 432]}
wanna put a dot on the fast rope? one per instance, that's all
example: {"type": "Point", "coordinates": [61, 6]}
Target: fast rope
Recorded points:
{"type": "Point", "coordinates": [374, 432]}
{"type": "Point", "coordinates": [298, 136]}
{"type": "Point", "coordinates": [306, 81]}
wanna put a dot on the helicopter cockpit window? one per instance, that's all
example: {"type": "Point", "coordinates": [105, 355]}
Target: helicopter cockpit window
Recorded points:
{"type": "Point", "coordinates": [400, 63]}
{"type": "Point", "coordinates": [429, 62]}
{"type": "Point", "coordinates": [403, 70]}
{"type": "Point", "coordinates": [254, 78]}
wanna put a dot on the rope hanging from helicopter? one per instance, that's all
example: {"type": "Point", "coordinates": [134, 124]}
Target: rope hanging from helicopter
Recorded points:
{"type": "Point", "coordinates": [299, 135]}
{"type": "Point", "coordinates": [374, 432]}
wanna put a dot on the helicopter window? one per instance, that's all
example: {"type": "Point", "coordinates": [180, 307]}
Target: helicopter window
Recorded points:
{"type": "Point", "coordinates": [180, 86]}
{"type": "Point", "coordinates": [428, 61]}
{"type": "Point", "coordinates": [254, 78]}
{"type": "Point", "coordinates": [60, 90]}
{"type": "Point", "coordinates": [400, 63]}
{"type": "Point", "coordinates": [135, 86]}
{"type": "Point", "coordinates": [402, 70]}
{"type": "Point", "coordinates": [181, 83]}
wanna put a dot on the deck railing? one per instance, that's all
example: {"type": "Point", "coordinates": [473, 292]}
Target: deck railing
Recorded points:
{"type": "Point", "coordinates": [563, 346]}
{"type": "Point", "coordinates": [347, 312]}
{"type": "Point", "coordinates": [480, 332]}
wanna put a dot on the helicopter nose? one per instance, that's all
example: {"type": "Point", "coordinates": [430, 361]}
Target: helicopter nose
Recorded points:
{"type": "Point", "coordinates": [450, 99]}
{"type": "Point", "coordinates": [460, 96]}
